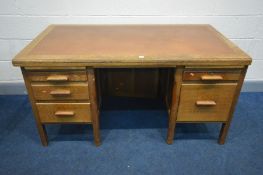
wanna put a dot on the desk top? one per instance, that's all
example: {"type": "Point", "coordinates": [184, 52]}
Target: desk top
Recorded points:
{"type": "Point", "coordinates": [130, 45]}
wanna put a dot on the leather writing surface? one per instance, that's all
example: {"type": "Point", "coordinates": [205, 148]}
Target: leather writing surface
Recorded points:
{"type": "Point", "coordinates": [132, 41]}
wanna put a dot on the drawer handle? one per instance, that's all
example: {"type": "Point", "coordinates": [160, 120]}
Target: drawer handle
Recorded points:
{"type": "Point", "coordinates": [205, 103]}
{"type": "Point", "coordinates": [65, 113]}
{"type": "Point", "coordinates": [57, 78]}
{"type": "Point", "coordinates": [60, 92]}
{"type": "Point", "coordinates": [211, 77]}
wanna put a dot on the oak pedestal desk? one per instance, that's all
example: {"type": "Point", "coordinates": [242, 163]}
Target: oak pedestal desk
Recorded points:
{"type": "Point", "coordinates": [203, 71]}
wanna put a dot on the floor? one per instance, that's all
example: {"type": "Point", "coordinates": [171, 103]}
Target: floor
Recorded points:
{"type": "Point", "coordinates": [133, 142]}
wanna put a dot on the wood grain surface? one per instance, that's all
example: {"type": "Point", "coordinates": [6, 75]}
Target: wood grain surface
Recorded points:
{"type": "Point", "coordinates": [64, 112]}
{"type": "Point", "coordinates": [65, 91]}
{"type": "Point", "coordinates": [192, 95]}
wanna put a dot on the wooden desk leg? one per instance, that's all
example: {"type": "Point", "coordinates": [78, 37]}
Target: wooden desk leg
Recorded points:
{"type": "Point", "coordinates": [223, 133]}
{"type": "Point", "coordinates": [225, 126]}
{"type": "Point", "coordinates": [174, 104]}
{"type": "Point", "coordinates": [94, 105]}
{"type": "Point", "coordinates": [41, 128]}
{"type": "Point", "coordinates": [43, 134]}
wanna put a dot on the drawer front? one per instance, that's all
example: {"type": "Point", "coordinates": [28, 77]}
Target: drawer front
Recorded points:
{"type": "Point", "coordinates": [64, 112]}
{"type": "Point", "coordinates": [214, 75]}
{"type": "Point", "coordinates": [70, 91]}
{"type": "Point", "coordinates": [205, 102]}
{"type": "Point", "coordinates": [56, 76]}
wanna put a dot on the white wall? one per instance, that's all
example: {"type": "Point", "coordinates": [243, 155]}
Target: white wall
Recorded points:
{"type": "Point", "coordinates": [22, 20]}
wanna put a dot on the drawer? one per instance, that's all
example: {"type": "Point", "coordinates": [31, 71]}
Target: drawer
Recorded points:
{"type": "Point", "coordinates": [205, 102]}
{"type": "Point", "coordinates": [70, 91]}
{"type": "Point", "coordinates": [64, 112]}
{"type": "Point", "coordinates": [211, 75]}
{"type": "Point", "coordinates": [57, 76]}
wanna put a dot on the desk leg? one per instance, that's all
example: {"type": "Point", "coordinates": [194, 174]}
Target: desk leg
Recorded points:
{"type": "Point", "coordinates": [43, 134]}
{"type": "Point", "coordinates": [174, 104]}
{"type": "Point", "coordinates": [225, 126]}
{"type": "Point", "coordinates": [94, 105]}
{"type": "Point", "coordinates": [41, 127]}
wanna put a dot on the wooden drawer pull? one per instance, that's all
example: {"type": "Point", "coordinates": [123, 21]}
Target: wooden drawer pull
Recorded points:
{"type": "Point", "coordinates": [57, 78]}
{"type": "Point", "coordinates": [60, 92]}
{"type": "Point", "coordinates": [211, 77]}
{"type": "Point", "coordinates": [64, 113]}
{"type": "Point", "coordinates": [205, 103]}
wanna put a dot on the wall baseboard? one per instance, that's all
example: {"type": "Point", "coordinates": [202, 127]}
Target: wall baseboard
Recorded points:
{"type": "Point", "coordinates": [252, 86]}
{"type": "Point", "coordinates": [18, 88]}
{"type": "Point", "coordinates": [12, 88]}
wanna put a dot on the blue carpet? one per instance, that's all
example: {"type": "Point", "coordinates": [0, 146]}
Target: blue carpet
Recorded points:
{"type": "Point", "coordinates": [133, 142]}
